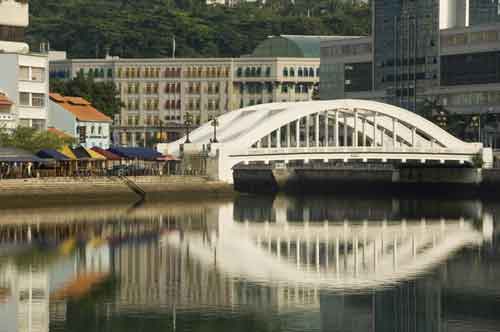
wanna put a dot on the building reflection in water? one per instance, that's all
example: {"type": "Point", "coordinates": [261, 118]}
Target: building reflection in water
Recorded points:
{"type": "Point", "coordinates": [376, 265]}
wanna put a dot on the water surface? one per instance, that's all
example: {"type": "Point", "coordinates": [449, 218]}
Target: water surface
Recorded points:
{"type": "Point", "coordinates": [253, 264]}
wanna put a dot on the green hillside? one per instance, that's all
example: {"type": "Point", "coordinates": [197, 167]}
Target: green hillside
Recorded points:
{"type": "Point", "coordinates": [144, 28]}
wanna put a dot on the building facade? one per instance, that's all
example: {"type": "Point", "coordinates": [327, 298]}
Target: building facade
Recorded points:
{"type": "Point", "coordinates": [469, 74]}
{"type": "Point", "coordinates": [25, 80]}
{"type": "Point", "coordinates": [484, 11]}
{"type": "Point", "coordinates": [77, 118]}
{"type": "Point", "coordinates": [8, 118]}
{"type": "Point", "coordinates": [406, 49]}
{"type": "Point", "coordinates": [158, 95]}
{"type": "Point", "coordinates": [24, 76]}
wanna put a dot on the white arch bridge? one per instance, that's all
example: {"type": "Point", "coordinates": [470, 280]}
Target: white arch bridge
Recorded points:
{"type": "Point", "coordinates": [343, 130]}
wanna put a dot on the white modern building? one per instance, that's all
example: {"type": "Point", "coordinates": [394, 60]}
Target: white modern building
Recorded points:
{"type": "Point", "coordinates": [76, 117]}
{"type": "Point", "coordinates": [25, 78]}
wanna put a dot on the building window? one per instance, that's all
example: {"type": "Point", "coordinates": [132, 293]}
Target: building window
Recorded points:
{"type": "Point", "coordinates": [285, 71]}
{"type": "Point", "coordinates": [92, 130]}
{"type": "Point", "coordinates": [24, 98]}
{"type": "Point", "coordinates": [268, 71]}
{"type": "Point", "coordinates": [292, 72]}
{"type": "Point", "coordinates": [24, 73]}
{"type": "Point", "coordinates": [38, 100]}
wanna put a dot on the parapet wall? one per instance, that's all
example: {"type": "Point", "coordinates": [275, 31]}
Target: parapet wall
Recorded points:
{"type": "Point", "coordinates": [107, 188]}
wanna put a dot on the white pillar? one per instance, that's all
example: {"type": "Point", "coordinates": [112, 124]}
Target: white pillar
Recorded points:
{"type": "Point", "coordinates": [288, 135]}
{"type": "Point", "coordinates": [297, 133]}
{"type": "Point", "coordinates": [355, 132]}
{"type": "Point", "coordinates": [337, 253]}
{"type": "Point", "coordinates": [317, 254]}
{"type": "Point", "coordinates": [374, 143]}
{"type": "Point", "coordinates": [307, 131]}
{"type": "Point", "coordinates": [345, 128]}
{"type": "Point", "coordinates": [394, 132]}
{"type": "Point", "coordinates": [278, 138]}
{"type": "Point", "coordinates": [364, 132]}
{"type": "Point", "coordinates": [326, 128]}
{"type": "Point", "coordinates": [297, 242]}
{"type": "Point", "coordinates": [316, 129]}
{"type": "Point", "coordinates": [336, 129]}
{"type": "Point", "coordinates": [413, 136]}
{"type": "Point", "coordinates": [356, 255]}
{"type": "Point", "coordinates": [278, 248]}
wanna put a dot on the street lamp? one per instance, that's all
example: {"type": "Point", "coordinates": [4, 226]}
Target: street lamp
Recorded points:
{"type": "Point", "coordinates": [215, 123]}
{"type": "Point", "coordinates": [188, 122]}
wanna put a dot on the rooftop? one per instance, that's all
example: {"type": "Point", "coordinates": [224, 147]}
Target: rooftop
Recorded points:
{"type": "Point", "coordinates": [4, 101]}
{"type": "Point", "coordinates": [297, 46]}
{"type": "Point", "coordinates": [80, 108]}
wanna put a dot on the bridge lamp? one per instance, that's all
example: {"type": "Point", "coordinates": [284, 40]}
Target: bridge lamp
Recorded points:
{"type": "Point", "coordinates": [215, 124]}
{"type": "Point", "coordinates": [188, 122]}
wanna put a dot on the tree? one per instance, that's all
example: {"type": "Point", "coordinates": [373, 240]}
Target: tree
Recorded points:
{"type": "Point", "coordinates": [102, 95]}
{"type": "Point", "coordinates": [145, 28]}
{"type": "Point", "coordinates": [32, 140]}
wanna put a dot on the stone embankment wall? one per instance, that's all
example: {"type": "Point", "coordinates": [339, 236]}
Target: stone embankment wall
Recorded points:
{"type": "Point", "coordinates": [112, 188]}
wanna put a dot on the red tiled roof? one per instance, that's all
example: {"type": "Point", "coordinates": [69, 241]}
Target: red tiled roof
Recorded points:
{"type": "Point", "coordinates": [80, 108]}
{"type": "Point", "coordinates": [4, 101]}
{"type": "Point", "coordinates": [58, 132]}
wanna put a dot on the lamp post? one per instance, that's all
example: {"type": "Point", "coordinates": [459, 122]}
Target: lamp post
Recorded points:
{"type": "Point", "coordinates": [215, 123]}
{"type": "Point", "coordinates": [188, 122]}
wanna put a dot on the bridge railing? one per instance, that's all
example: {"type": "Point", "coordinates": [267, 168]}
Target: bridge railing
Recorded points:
{"type": "Point", "coordinates": [364, 149]}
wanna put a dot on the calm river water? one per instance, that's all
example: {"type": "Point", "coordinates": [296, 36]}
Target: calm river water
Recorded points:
{"type": "Point", "coordinates": [253, 264]}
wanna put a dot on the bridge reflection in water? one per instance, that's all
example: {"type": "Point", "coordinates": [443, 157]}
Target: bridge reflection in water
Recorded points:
{"type": "Point", "coordinates": [343, 265]}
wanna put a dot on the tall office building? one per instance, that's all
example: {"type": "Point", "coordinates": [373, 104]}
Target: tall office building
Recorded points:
{"type": "Point", "coordinates": [406, 49]}
{"type": "Point", "coordinates": [484, 11]}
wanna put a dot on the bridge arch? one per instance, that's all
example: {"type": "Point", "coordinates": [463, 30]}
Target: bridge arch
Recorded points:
{"type": "Point", "coordinates": [327, 128]}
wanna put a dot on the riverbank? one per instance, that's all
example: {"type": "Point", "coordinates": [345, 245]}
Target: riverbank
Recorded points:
{"type": "Point", "coordinates": [109, 188]}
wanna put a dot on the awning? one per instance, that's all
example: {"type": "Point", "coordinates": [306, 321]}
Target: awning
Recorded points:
{"type": "Point", "coordinates": [52, 154]}
{"type": "Point", "coordinates": [136, 153]}
{"type": "Point", "coordinates": [81, 154]}
{"type": "Point", "coordinates": [66, 150]}
{"type": "Point", "coordinates": [8, 154]}
{"type": "Point", "coordinates": [108, 154]}
{"type": "Point", "coordinates": [94, 155]}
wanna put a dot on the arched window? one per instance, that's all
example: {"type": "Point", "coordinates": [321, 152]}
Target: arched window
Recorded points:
{"type": "Point", "coordinates": [110, 73]}
{"type": "Point", "coordinates": [285, 71]}
{"type": "Point", "coordinates": [247, 72]}
{"type": "Point", "coordinates": [311, 72]}
{"type": "Point", "coordinates": [292, 72]}
{"type": "Point", "coordinates": [254, 71]}
{"type": "Point", "coordinates": [300, 72]}
{"type": "Point", "coordinates": [259, 71]}
{"type": "Point", "coordinates": [317, 72]}
{"type": "Point", "coordinates": [239, 72]}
